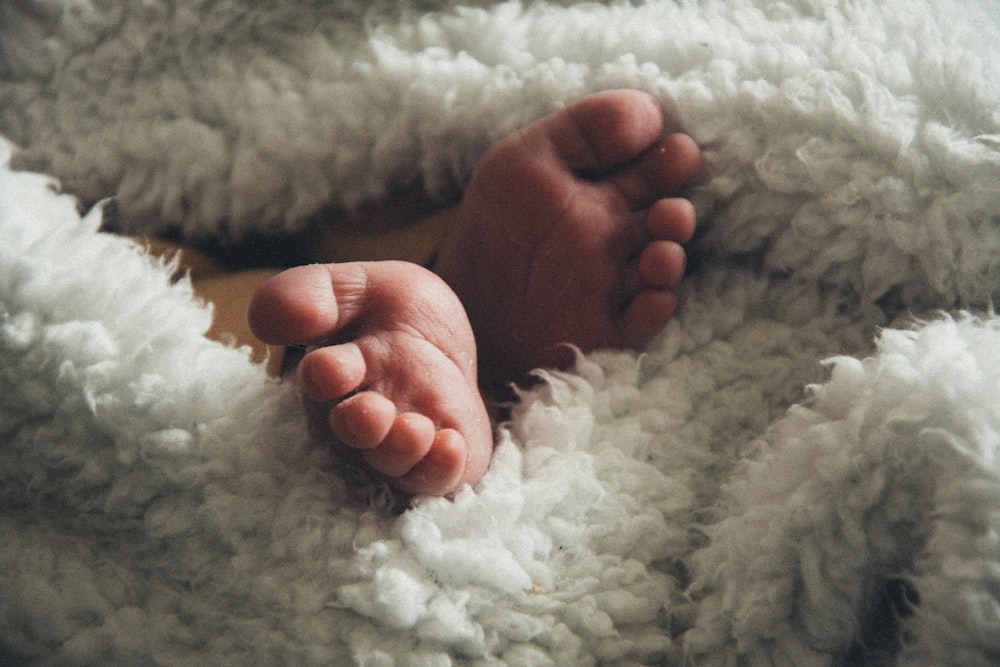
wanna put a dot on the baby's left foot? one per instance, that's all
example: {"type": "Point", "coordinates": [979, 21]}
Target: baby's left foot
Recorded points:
{"type": "Point", "coordinates": [392, 362]}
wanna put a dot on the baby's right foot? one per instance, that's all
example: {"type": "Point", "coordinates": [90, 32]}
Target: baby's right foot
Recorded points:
{"type": "Point", "coordinates": [567, 234]}
{"type": "Point", "coordinates": [393, 359]}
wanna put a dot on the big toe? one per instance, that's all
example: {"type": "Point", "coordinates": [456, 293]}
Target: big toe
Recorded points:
{"type": "Point", "coordinates": [604, 129]}
{"type": "Point", "coordinates": [296, 306]}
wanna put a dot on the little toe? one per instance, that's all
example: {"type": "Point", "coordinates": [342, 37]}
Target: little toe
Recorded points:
{"type": "Point", "coordinates": [364, 420]}
{"type": "Point", "coordinates": [672, 219]}
{"type": "Point", "coordinates": [662, 263]}
{"type": "Point", "coordinates": [329, 373]}
{"type": "Point", "coordinates": [408, 441]}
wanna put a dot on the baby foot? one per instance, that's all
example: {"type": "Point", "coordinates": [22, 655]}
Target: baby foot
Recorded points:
{"type": "Point", "coordinates": [565, 235]}
{"type": "Point", "coordinates": [392, 359]}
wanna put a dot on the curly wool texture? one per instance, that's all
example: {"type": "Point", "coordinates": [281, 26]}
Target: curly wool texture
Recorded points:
{"type": "Point", "coordinates": [888, 470]}
{"type": "Point", "coordinates": [829, 128]}
{"type": "Point", "coordinates": [161, 501]}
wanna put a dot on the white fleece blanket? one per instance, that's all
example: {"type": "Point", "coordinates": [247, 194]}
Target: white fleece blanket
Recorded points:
{"type": "Point", "coordinates": [795, 472]}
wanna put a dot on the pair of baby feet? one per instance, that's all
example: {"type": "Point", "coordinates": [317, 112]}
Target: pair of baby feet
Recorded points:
{"type": "Point", "coordinates": [567, 233]}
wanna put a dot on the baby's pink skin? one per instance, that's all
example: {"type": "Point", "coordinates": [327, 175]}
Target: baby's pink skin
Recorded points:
{"type": "Point", "coordinates": [568, 233]}
{"type": "Point", "coordinates": [393, 355]}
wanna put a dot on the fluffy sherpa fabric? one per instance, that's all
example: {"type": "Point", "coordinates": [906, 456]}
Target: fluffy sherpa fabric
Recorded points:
{"type": "Point", "coordinates": [723, 499]}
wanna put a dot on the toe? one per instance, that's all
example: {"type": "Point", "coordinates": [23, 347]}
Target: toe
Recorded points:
{"type": "Point", "coordinates": [604, 129]}
{"type": "Point", "coordinates": [666, 167]}
{"type": "Point", "coordinates": [329, 373]}
{"type": "Point", "coordinates": [408, 441]}
{"type": "Point", "coordinates": [646, 315]}
{"type": "Point", "coordinates": [671, 219]}
{"type": "Point", "coordinates": [678, 161]}
{"type": "Point", "coordinates": [294, 307]}
{"type": "Point", "coordinates": [441, 471]}
{"type": "Point", "coordinates": [316, 303]}
{"type": "Point", "coordinates": [661, 264]}
{"type": "Point", "coordinates": [364, 420]}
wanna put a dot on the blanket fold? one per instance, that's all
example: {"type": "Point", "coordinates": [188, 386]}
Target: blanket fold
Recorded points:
{"type": "Point", "coordinates": [797, 471]}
